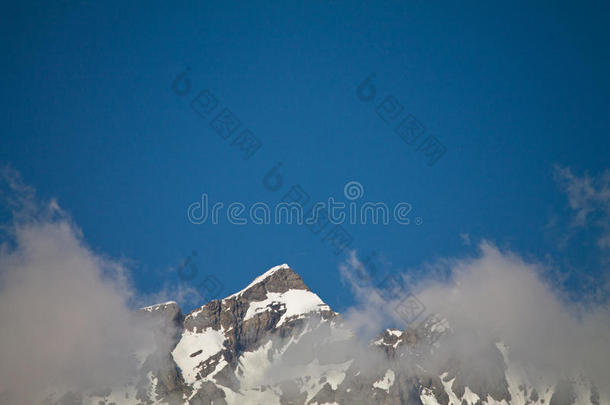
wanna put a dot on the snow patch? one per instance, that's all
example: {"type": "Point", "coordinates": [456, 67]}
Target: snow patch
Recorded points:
{"type": "Point", "coordinates": [427, 397]}
{"type": "Point", "coordinates": [254, 365]}
{"type": "Point", "coordinates": [386, 382]}
{"type": "Point", "coordinates": [157, 307]}
{"type": "Point", "coordinates": [395, 332]}
{"type": "Point", "coordinates": [296, 302]}
{"type": "Point", "coordinates": [209, 342]}
{"type": "Point", "coordinates": [470, 397]}
{"type": "Point", "coordinates": [260, 278]}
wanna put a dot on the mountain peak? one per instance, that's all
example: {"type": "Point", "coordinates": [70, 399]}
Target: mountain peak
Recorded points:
{"type": "Point", "coordinates": [278, 279]}
{"type": "Point", "coordinates": [160, 307]}
{"type": "Point", "coordinates": [277, 342]}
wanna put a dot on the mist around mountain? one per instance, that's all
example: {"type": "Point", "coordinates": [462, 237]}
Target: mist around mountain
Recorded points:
{"type": "Point", "coordinates": [494, 330]}
{"type": "Point", "coordinates": [277, 342]}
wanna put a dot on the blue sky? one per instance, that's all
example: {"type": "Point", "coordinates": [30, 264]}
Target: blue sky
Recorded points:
{"type": "Point", "coordinates": [512, 91]}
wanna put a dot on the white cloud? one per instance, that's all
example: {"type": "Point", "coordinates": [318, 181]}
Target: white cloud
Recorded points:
{"type": "Point", "coordinates": [65, 319]}
{"type": "Point", "coordinates": [499, 296]}
{"type": "Point", "coordinates": [465, 237]}
{"type": "Point", "coordinates": [589, 198]}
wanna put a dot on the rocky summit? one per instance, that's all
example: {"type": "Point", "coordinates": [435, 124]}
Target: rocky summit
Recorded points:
{"type": "Point", "coordinates": [277, 342]}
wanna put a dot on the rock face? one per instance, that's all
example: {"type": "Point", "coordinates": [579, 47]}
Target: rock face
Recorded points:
{"type": "Point", "coordinates": [276, 342]}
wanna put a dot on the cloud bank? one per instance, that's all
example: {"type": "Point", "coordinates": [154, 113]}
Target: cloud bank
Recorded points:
{"type": "Point", "coordinates": [65, 319]}
{"type": "Point", "coordinates": [66, 322]}
{"type": "Point", "coordinates": [498, 297]}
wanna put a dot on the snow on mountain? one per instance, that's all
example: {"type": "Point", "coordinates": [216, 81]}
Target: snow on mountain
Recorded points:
{"type": "Point", "coordinates": [386, 382]}
{"type": "Point", "coordinates": [261, 278]}
{"type": "Point", "coordinates": [160, 307]}
{"type": "Point", "coordinates": [277, 342]}
{"type": "Point", "coordinates": [297, 303]}
{"type": "Point", "coordinates": [194, 347]}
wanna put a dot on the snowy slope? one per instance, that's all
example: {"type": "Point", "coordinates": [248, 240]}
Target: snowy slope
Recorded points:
{"type": "Point", "coordinates": [277, 342]}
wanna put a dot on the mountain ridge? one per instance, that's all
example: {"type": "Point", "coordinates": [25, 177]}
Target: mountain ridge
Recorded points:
{"type": "Point", "coordinates": [277, 342]}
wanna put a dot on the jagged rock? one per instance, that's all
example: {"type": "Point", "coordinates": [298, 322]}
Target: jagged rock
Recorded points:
{"type": "Point", "coordinates": [276, 342]}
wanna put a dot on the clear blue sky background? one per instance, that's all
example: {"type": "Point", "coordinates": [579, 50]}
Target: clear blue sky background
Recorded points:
{"type": "Point", "coordinates": [89, 117]}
